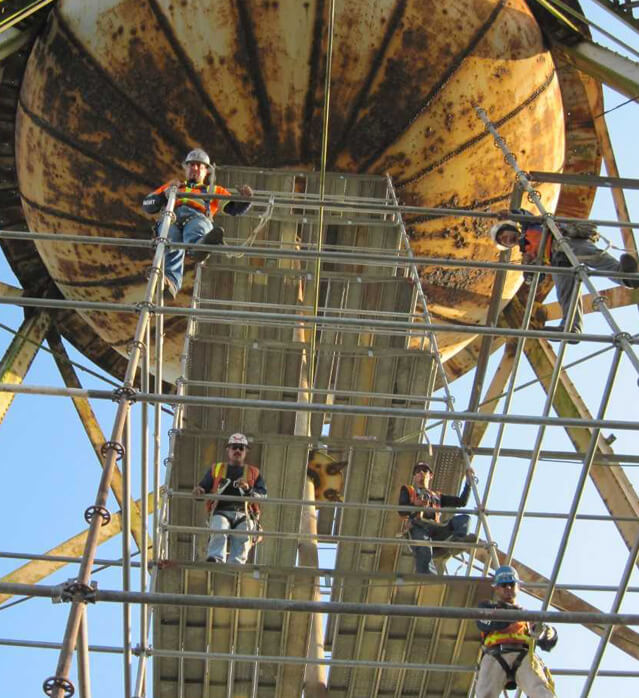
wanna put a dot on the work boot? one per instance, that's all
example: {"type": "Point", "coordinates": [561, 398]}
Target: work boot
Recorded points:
{"type": "Point", "coordinates": [466, 538]}
{"type": "Point", "coordinates": [628, 264]}
{"type": "Point", "coordinates": [170, 289]}
{"type": "Point", "coordinates": [559, 328]}
{"type": "Point", "coordinates": [214, 237]}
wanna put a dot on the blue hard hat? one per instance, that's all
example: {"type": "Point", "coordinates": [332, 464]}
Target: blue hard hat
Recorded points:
{"type": "Point", "coordinates": [505, 575]}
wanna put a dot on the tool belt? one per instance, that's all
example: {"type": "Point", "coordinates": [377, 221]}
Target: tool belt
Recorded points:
{"type": "Point", "coordinates": [510, 670]}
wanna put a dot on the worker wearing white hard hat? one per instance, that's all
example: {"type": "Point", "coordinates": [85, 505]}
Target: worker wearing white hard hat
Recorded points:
{"type": "Point", "coordinates": [236, 478]}
{"type": "Point", "coordinates": [581, 238]}
{"type": "Point", "coordinates": [193, 217]}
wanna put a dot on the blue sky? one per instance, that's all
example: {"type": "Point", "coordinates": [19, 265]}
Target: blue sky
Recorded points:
{"type": "Point", "coordinates": [51, 476]}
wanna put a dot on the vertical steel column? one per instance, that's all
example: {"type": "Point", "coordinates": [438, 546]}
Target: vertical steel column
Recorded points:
{"type": "Point", "coordinates": [126, 558]}
{"type": "Point", "coordinates": [140, 681]}
{"type": "Point", "coordinates": [315, 685]}
{"type": "Point", "coordinates": [84, 674]}
{"type": "Point", "coordinates": [59, 685]}
{"type": "Point", "coordinates": [322, 183]}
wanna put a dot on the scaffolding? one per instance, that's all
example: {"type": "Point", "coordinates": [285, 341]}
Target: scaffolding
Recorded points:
{"type": "Point", "coordinates": [317, 341]}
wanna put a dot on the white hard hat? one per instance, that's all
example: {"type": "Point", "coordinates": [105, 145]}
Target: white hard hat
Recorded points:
{"type": "Point", "coordinates": [500, 225]}
{"type": "Point", "coordinates": [197, 155]}
{"type": "Point", "coordinates": [237, 439]}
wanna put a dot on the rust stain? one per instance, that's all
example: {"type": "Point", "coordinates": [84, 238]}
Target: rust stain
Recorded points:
{"type": "Point", "coordinates": [107, 113]}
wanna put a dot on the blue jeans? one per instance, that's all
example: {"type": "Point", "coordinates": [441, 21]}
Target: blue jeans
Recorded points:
{"type": "Point", "coordinates": [589, 254]}
{"type": "Point", "coordinates": [197, 227]}
{"type": "Point", "coordinates": [456, 526]}
{"type": "Point", "coordinates": [240, 546]}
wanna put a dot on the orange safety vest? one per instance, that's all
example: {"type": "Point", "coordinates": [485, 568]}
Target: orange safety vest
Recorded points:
{"type": "Point", "coordinates": [532, 240]}
{"type": "Point", "coordinates": [199, 205]}
{"type": "Point", "coordinates": [218, 472]}
{"type": "Point", "coordinates": [516, 633]}
{"type": "Point", "coordinates": [432, 499]}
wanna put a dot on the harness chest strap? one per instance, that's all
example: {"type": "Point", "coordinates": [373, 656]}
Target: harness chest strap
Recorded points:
{"type": "Point", "coordinates": [218, 471]}
{"type": "Point", "coordinates": [432, 499]}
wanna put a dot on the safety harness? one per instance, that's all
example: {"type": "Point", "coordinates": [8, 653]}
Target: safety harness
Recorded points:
{"type": "Point", "coordinates": [515, 638]}
{"type": "Point", "coordinates": [252, 510]}
{"type": "Point", "coordinates": [425, 498]}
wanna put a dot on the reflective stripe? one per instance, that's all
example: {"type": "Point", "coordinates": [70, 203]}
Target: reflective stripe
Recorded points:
{"type": "Point", "coordinates": [197, 205]}
{"type": "Point", "coordinates": [432, 499]}
{"type": "Point", "coordinates": [501, 638]}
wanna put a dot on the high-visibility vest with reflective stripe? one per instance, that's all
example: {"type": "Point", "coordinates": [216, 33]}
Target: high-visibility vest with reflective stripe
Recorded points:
{"type": "Point", "coordinates": [517, 632]}
{"type": "Point", "coordinates": [430, 498]}
{"type": "Point", "coordinates": [218, 472]}
{"type": "Point", "coordinates": [199, 205]}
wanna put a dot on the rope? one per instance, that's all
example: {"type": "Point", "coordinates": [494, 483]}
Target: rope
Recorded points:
{"type": "Point", "coordinates": [261, 224]}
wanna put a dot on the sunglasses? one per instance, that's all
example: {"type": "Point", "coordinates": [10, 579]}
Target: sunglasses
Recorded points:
{"type": "Point", "coordinates": [506, 584]}
{"type": "Point", "coordinates": [237, 447]}
{"type": "Point", "coordinates": [422, 469]}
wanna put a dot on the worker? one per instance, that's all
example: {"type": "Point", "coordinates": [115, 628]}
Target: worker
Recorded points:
{"type": "Point", "coordinates": [193, 217]}
{"type": "Point", "coordinates": [581, 238]}
{"type": "Point", "coordinates": [508, 648]}
{"type": "Point", "coordinates": [425, 524]}
{"type": "Point", "coordinates": [232, 477]}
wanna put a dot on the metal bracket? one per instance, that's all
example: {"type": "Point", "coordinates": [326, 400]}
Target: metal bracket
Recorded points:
{"type": "Point", "coordinates": [621, 337]}
{"type": "Point", "coordinates": [116, 446]}
{"type": "Point", "coordinates": [49, 685]}
{"type": "Point", "coordinates": [125, 391]}
{"type": "Point", "coordinates": [74, 590]}
{"type": "Point", "coordinates": [94, 510]}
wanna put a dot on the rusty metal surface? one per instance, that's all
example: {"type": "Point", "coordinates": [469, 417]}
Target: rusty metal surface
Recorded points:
{"type": "Point", "coordinates": [115, 92]}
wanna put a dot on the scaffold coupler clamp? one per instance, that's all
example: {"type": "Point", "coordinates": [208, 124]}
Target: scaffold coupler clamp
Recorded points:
{"type": "Point", "coordinates": [621, 337]}
{"type": "Point", "coordinates": [54, 682]}
{"type": "Point", "coordinates": [96, 510]}
{"type": "Point", "coordinates": [599, 302]}
{"type": "Point", "coordinates": [74, 590]}
{"type": "Point", "coordinates": [124, 391]}
{"type": "Point", "coordinates": [114, 446]}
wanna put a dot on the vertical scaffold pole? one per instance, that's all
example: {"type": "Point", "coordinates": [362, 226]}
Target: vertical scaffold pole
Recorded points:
{"type": "Point", "coordinates": [59, 686]}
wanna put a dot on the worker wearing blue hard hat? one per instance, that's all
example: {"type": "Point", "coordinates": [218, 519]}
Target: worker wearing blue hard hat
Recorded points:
{"type": "Point", "coordinates": [508, 648]}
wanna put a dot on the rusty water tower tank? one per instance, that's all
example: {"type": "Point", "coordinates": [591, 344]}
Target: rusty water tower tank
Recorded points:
{"type": "Point", "coordinates": [115, 92]}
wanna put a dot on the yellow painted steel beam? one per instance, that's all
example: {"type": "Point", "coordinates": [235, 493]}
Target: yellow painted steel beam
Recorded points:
{"type": "Point", "coordinates": [611, 481]}
{"type": "Point", "coordinates": [8, 290]}
{"type": "Point", "coordinates": [496, 388]}
{"type": "Point", "coordinates": [93, 430]}
{"type": "Point", "coordinates": [604, 65]}
{"type": "Point", "coordinates": [20, 354]}
{"type": "Point", "coordinates": [564, 600]}
{"type": "Point", "coordinates": [617, 297]}
{"type": "Point", "coordinates": [601, 129]}
{"type": "Point", "coordinates": [37, 570]}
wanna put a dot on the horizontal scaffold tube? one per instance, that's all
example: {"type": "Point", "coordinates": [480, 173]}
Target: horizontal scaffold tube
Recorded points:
{"type": "Point", "coordinates": [332, 607]}
{"type": "Point", "coordinates": [328, 255]}
{"type": "Point", "coordinates": [415, 328]}
{"type": "Point", "coordinates": [377, 506]}
{"type": "Point", "coordinates": [282, 405]}
{"type": "Point", "coordinates": [274, 659]}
